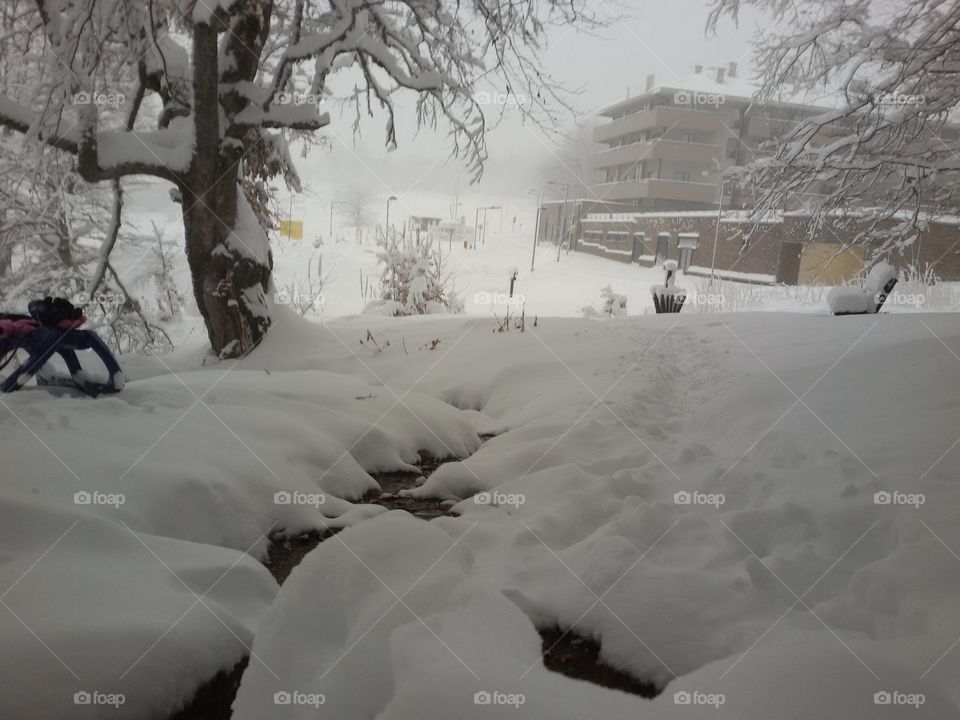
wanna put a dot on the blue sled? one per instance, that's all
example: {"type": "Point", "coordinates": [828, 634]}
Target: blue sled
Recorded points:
{"type": "Point", "coordinates": [43, 342]}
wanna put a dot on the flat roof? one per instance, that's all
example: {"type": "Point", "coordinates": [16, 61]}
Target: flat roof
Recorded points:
{"type": "Point", "coordinates": [734, 89]}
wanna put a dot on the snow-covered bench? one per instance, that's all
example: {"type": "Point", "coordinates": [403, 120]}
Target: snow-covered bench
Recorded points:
{"type": "Point", "coordinates": [868, 299]}
{"type": "Point", "coordinates": [668, 298]}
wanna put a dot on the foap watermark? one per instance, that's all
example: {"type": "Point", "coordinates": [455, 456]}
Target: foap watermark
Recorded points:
{"type": "Point", "coordinates": [295, 697]}
{"type": "Point", "coordinates": [707, 299]}
{"type": "Point", "coordinates": [695, 697]}
{"type": "Point", "coordinates": [300, 300]}
{"type": "Point", "coordinates": [95, 697]}
{"type": "Point", "coordinates": [899, 498]}
{"type": "Point", "coordinates": [496, 97]}
{"type": "Point", "coordinates": [498, 298]}
{"type": "Point", "coordinates": [499, 698]}
{"type": "Point", "coordinates": [894, 697]}
{"type": "Point", "coordinates": [683, 97]}
{"type": "Point", "coordinates": [283, 497]}
{"type": "Point", "coordinates": [111, 99]}
{"type": "Point", "coordinates": [899, 98]}
{"type": "Point", "coordinates": [903, 299]}
{"type": "Point", "coordinates": [499, 499]}
{"type": "Point", "coordinates": [84, 497]}
{"type": "Point", "coordinates": [296, 98]}
{"type": "Point", "coordinates": [108, 299]}
{"type": "Point", "coordinates": [698, 498]}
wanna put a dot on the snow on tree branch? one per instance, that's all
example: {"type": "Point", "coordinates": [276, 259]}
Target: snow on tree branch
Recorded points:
{"type": "Point", "coordinates": [885, 159]}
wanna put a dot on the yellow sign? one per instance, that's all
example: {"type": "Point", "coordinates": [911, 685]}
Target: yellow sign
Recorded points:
{"type": "Point", "coordinates": [292, 229]}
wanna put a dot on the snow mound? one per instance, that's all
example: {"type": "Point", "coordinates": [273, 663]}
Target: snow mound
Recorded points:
{"type": "Point", "coordinates": [97, 614]}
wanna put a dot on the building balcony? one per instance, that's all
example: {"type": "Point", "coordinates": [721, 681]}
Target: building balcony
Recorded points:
{"type": "Point", "coordinates": [662, 117]}
{"type": "Point", "coordinates": [693, 192]}
{"type": "Point", "coordinates": [671, 150]}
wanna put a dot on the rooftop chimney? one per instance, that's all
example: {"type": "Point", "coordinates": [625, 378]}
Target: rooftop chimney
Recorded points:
{"type": "Point", "coordinates": [651, 81]}
{"type": "Point", "coordinates": [697, 69]}
{"type": "Point", "coordinates": [720, 73]}
{"type": "Point", "coordinates": [732, 70]}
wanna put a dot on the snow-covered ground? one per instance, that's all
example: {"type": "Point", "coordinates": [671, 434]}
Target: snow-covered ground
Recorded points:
{"type": "Point", "coordinates": [758, 511]}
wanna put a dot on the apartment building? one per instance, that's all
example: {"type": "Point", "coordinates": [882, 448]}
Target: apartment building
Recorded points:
{"type": "Point", "coordinates": [666, 148]}
{"type": "Point", "coordinates": [659, 161]}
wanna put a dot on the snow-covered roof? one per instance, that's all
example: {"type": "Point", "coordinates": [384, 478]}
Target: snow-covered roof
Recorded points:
{"type": "Point", "coordinates": [736, 89]}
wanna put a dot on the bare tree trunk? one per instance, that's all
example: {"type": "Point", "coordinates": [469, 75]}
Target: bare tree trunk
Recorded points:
{"type": "Point", "coordinates": [230, 279]}
{"type": "Point", "coordinates": [229, 285]}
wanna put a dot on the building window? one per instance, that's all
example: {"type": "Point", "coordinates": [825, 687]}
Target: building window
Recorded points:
{"type": "Point", "coordinates": [683, 176]}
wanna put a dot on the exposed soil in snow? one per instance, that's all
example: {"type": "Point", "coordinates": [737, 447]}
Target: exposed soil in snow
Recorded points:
{"type": "Point", "coordinates": [285, 552]}
{"type": "Point", "coordinates": [214, 698]}
{"type": "Point", "coordinates": [575, 656]}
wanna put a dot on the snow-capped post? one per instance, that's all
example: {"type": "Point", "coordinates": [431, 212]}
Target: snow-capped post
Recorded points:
{"type": "Point", "coordinates": [668, 298]}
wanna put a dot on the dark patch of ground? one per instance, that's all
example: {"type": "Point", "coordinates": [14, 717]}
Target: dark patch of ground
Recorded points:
{"type": "Point", "coordinates": [214, 699]}
{"type": "Point", "coordinates": [285, 552]}
{"type": "Point", "coordinates": [578, 657]}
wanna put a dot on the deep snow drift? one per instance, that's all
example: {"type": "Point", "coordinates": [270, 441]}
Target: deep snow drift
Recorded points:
{"type": "Point", "coordinates": [759, 512]}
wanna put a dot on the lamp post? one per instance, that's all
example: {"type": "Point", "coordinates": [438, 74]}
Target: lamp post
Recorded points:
{"type": "Point", "coordinates": [561, 228]}
{"type": "Point", "coordinates": [386, 228]}
{"type": "Point", "coordinates": [716, 237]}
{"type": "Point", "coordinates": [536, 225]}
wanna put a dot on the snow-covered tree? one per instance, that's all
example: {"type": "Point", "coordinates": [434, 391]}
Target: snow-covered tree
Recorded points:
{"type": "Point", "coordinates": [204, 83]}
{"type": "Point", "coordinates": [883, 162]}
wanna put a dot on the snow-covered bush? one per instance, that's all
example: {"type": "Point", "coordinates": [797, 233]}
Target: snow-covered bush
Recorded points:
{"type": "Point", "coordinates": [717, 295]}
{"type": "Point", "coordinates": [614, 305]}
{"type": "Point", "coordinates": [924, 283]}
{"type": "Point", "coordinates": [414, 281]}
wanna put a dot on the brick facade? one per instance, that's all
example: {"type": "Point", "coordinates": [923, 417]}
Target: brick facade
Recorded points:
{"type": "Point", "coordinates": [768, 253]}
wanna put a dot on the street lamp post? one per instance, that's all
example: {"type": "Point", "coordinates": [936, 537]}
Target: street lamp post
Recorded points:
{"type": "Point", "coordinates": [386, 229]}
{"type": "Point", "coordinates": [536, 226]}
{"type": "Point", "coordinates": [476, 227]}
{"type": "Point", "coordinates": [716, 237]}
{"type": "Point", "coordinates": [561, 228]}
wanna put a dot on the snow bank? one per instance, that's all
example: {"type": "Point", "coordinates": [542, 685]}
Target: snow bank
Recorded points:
{"type": "Point", "coordinates": [128, 622]}
{"type": "Point", "coordinates": [360, 630]}
{"type": "Point", "coordinates": [658, 487]}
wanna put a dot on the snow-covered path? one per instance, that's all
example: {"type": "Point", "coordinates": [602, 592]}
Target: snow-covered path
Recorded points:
{"type": "Point", "coordinates": [698, 493]}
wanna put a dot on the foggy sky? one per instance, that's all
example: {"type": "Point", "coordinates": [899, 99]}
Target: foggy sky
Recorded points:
{"type": "Point", "coordinates": [663, 37]}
